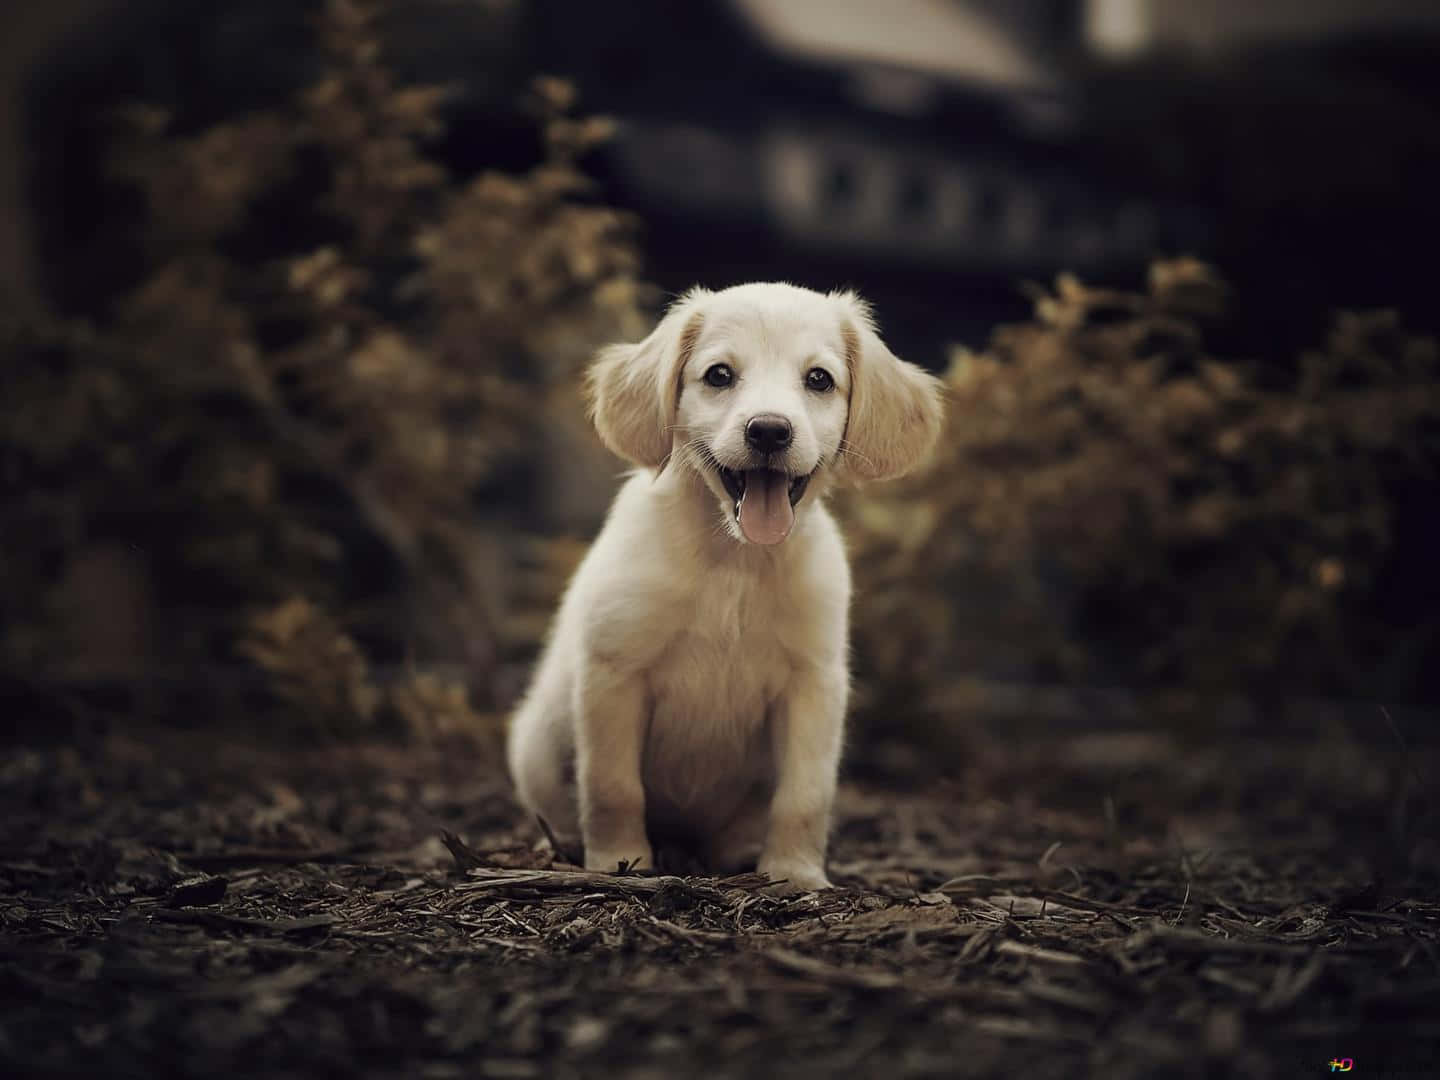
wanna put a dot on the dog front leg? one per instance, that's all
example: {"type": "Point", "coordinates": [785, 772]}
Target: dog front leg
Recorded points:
{"type": "Point", "coordinates": [806, 731]}
{"type": "Point", "coordinates": [610, 735]}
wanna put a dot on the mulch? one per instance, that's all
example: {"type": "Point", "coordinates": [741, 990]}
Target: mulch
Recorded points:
{"type": "Point", "coordinates": [1121, 905]}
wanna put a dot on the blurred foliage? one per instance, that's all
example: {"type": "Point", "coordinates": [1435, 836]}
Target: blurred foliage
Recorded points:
{"type": "Point", "coordinates": [330, 431]}
{"type": "Point", "coordinates": [1116, 505]}
{"type": "Point", "coordinates": [294, 438]}
{"type": "Point", "coordinates": [312, 665]}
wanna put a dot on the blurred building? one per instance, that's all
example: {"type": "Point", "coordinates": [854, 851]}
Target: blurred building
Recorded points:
{"type": "Point", "coordinates": [932, 153]}
{"type": "Point", "coordinates": [1127, 28]}
{"type": "Point", "coordinates": [919, 137]}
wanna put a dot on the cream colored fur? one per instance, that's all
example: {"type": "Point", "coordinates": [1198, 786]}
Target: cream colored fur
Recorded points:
{"type": "Point", "coordinates": [695, 684]}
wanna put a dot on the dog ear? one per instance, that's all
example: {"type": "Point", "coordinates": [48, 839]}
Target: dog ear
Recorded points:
{"type": "Point", "coordinates": [634, 389]}
{"type": "Point", "coordinates": [896, 408]}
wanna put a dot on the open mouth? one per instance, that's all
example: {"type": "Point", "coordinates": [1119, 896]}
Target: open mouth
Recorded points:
{"type": "Point", "coordinates": [764, 501]}
{"type": "Point", "coordinates": [737, 481]}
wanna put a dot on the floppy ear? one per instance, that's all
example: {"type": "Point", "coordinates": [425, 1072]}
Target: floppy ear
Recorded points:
{"type": "Point", "coordinates": [896, 408]}
{"type": "Point", "coordinates": [634, 389]}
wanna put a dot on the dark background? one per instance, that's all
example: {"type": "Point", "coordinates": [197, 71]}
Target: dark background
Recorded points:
{"type": "Point", "coordinates": [942, 159]}
{"type": "Point", "coordinates": [1294, 145]}
{"type": "Point", "coordinates": [294, 466]}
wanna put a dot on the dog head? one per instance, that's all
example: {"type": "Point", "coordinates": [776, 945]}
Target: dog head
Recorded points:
{"type": "Point", "coordinates": [768, 393]}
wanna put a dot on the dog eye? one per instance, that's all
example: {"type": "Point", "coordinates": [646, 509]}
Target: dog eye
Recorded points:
{"type": "Point", "coordinates": [819, 380]}
{"type": "Point", "coordinates": [718, 376]}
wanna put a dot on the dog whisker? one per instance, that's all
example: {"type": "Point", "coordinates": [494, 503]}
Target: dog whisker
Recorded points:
{"type": "Point", "coordinates": [699, 453]}
{"type": "Point", "coordinates": [843, 450]}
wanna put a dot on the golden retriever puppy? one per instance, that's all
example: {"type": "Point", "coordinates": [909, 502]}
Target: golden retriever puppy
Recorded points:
{"type": "Point", "coordinates": [694, 684]}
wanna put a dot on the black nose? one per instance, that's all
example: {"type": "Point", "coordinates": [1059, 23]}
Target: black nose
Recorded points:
{"type": "Point", "coordinates": [768, 433]}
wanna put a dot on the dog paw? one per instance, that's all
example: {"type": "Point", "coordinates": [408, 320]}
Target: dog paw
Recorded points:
{"type": "Point", "coordinates": [793, 876]}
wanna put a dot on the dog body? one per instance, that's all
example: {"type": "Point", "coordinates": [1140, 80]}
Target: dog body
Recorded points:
{"type": "Point", "coordinates": [695, 682]}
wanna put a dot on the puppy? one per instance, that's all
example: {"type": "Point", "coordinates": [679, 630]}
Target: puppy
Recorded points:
{"type": "Point", "coordinates": [694, 684]}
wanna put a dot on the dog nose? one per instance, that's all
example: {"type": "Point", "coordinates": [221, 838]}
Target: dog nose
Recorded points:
{"type": "Point", "coordinates": [768, 433]}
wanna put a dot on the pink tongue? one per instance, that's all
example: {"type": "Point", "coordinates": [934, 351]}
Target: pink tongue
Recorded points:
{"type": "Point", "coordinates": [765, 511]}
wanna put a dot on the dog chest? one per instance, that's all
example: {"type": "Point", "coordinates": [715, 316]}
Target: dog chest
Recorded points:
{"type": "Point", "coordinates": [722, 666]}
{"type": "Point", "coordinates": [710, 691]}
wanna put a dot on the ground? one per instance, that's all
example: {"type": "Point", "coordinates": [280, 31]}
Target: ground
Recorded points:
{"type": "Point", "coordinates": [1119, 905]}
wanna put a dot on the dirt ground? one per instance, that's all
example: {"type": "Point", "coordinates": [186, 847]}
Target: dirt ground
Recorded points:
{"type": "Point", "coordinates": [1121, 905]}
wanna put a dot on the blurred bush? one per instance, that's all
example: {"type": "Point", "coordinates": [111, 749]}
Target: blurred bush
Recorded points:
{"type": "Point", "coordinates": [306, 441]}
{"type": "Point", "coordinates": [332, 441]}
{"type": "Point", "coordinates": [1115, 505]}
